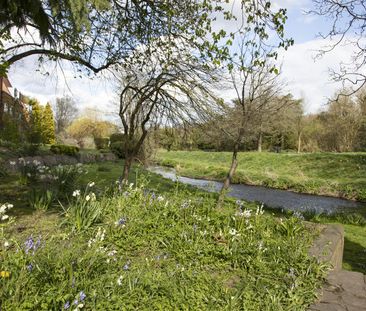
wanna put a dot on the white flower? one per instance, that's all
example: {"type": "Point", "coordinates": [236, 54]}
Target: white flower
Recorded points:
{"type": "Point", "coordinates": [6, 244]}
{"type": "Point", "coordinates": [91, 184]}
{"type": "Point", "coordinates": [3, 209]}
{"type": "Point", "coordinates": [131, 185]}
{"type": "Point", "coordinates": [9, 206]}
{"type": "Point", "coordinates": [260, 210]}
{"type": "Point", "coordinates": [160, 198]}
{"type": "Point", "coordinates": [92, 196]}
{"type": "Point", "coordinates": [12, 163]}
{"type": "Point", "coordinates": [247, 213]}
{"type": "Point", "coordinates": [233, 231]}
{"type": "Point", "coordinates": [76, 193]}
{"type": "Point", "coordinates": [4, 217]}
{"type": "Point", "coordinates": [119, 280]}
{"type": "Point", "coordinates": [87, 198]}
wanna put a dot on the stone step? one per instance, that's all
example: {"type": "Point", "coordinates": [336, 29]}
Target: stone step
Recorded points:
{"type": "Point", "coordinates": [343, 291]}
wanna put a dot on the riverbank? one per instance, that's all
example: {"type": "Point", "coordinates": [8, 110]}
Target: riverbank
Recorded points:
{"type": "Point", "coordinates": [339, 175]}
{"type": "Point", "coordinates": [144, 243]}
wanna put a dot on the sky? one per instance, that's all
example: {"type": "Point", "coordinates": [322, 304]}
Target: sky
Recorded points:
{"type": "Point", "coordinates": [306, 76]}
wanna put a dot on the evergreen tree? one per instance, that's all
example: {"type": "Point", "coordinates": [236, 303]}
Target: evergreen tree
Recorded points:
{"type": "Point", "coordinates": [35, 122]}
{"type": "Point", "coordinates": [48, 125]}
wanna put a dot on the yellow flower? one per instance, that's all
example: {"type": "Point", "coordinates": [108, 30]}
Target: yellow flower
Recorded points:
{"type": "Point", "coordinates": [4, 274]}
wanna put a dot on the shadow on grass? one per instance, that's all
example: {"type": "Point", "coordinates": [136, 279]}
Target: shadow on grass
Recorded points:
{"type": "Point", "coordinates": [354, 256]}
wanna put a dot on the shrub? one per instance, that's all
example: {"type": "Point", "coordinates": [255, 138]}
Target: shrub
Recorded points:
{"type": "Point", "coordinates": [105, 151]}
{"type": "Point", "coordinates": [65, 149]}
{"type": "Point", "coordinates": [8, 144]}
{"type": "Point", "coordinates": [101, 142]}
{"type": "Point", "coordinates": [116, 137]}
{"type": "Point", "coordinates": [28, 149]}
{"type": "Point", "coordinates": [118, 149]}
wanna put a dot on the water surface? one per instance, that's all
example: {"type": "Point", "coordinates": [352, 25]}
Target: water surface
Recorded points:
{"type": "Point", "coordinates": [274, 198]}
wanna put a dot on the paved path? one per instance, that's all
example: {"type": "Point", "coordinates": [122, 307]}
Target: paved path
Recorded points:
{"type": "Point", "coordinates": [343, 291]}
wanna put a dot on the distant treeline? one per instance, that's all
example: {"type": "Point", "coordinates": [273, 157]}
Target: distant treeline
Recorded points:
{"type": "Point", "coordinates": [341, 127]}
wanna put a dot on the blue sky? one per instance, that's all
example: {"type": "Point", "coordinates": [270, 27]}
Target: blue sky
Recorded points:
{"type": "Point", "coordinates": [305, 77]}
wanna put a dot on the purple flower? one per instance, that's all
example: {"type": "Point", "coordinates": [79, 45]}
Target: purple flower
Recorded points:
{"type": "Point", "coordinates": [30, 267]}
{"type": "Point", "coordinates": [121, 221]}
{"type": "Point", "coordinates": [126, 266]}
{"type": "Point", "coordinates": [76, 302]}
{"type": "Point", "coordinates": [29, 244]}
{"type": "Point", "coordinates": [67, 305]}
{"type": "Point", "coordinates": [82, 296]}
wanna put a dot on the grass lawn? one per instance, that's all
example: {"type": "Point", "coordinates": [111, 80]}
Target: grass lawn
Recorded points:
{"type": "Point", "coordinates": [341, 175]}
{"type": "Point", "coordinates": [157, 246]}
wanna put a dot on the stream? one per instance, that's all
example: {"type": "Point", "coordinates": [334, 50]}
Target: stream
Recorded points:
{"type": "Point", "coordinates": [274, 198]}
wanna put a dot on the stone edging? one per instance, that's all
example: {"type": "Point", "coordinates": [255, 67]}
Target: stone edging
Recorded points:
{"type": "Point", "coordinates": [328, 247]}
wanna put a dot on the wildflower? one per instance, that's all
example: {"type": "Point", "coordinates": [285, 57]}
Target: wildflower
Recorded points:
{"type": "Point", "coordinates": [160, 198]}
{"type": "Point", "coordinates": [76, 193]}
{"type": "Point", "coordinates": [82, 296]}
{"type": "Point", "coordinates": [247, 213]}
{"type": "Point", "coordinates": [298, 215]}
{"type": "Point", "coordinates": [91, 184]}
{"type": "Point", "coordinates": [185, 204]}
{"type": "Point", "coordinates": [4, 274]}
{"type": "Point", "coordinates": [121, 222]}
{"type": "Point", "coordinates": [67, 305]}
{"type": "Point", "coordinates": [92, 196]}
{"type": "Point", "coordinates": [239, 203]}
{"type": "Point", "coordinates": [9, 206]}
{"type": "Point", "coordinates": [131, 185]}
{"type": "Point", "coordinates": [30, 245]}
{"type": "Point", "coordinates": [126, 266]}
{"type": "Point", "coordinates": [12, 163]}
{"type": "Point", "coordinates": [260, 210]}
{"type": "Point", "coordinates": [87, 198]}
{"type": "Point", "coordinates": [119, 280]}
{"type": "Point", "coordinates": [30, 267]}
{"type": "Point", "coordinates": [233, 231]}
{"type": "Point", "coordinates": [6, 244]}
{"type": "Point", "coordinates": [4, 217]}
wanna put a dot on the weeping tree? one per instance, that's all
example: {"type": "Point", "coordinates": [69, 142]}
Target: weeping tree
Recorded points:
{"type": "Point", "coordinates": [170, 89]}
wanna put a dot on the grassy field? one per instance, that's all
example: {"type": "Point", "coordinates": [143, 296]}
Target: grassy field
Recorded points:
{"type": "Point", "coordinates": [156, 246]}
{"type": "Point", "coordinates": [341, 175]}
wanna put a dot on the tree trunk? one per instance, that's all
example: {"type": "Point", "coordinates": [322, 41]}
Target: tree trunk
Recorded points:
{"type": "Point", "coordinates": [126, 172]}
{"type": "Point", "coordinates": [1, 105]}
{"type": "Point", "coordinates": [225, 186]}
{"type": "Point", "coordinates": [260, 142]}
{"type": "Point", "coordinates": [282, 142]}
{"type": "Point", "coordinates": [299, 143]}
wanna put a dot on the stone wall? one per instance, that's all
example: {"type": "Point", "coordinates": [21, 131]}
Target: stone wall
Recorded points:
{"type": "Point", "coordinates": [52, 160]}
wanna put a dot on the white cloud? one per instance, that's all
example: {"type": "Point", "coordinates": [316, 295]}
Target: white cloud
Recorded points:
{"type": "Point", "coordinates": [309, 77]}
{"type": "Point", "coordinates": [96, 92]}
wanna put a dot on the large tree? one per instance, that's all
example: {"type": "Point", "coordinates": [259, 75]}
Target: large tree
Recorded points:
{"type": "Point", "coordinates": [169, 89]}
{"type": "Point", "coordinates": [97, 34]}
{"type": "Point", "coordinates": [65, 112]}
{"type": "Point", "coordinates": [348, 27]}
